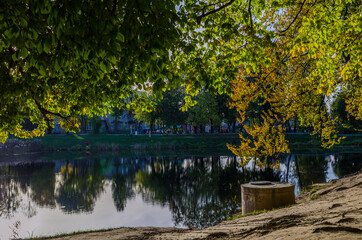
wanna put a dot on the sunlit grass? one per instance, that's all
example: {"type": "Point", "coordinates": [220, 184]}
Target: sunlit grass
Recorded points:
{"type": "Point", "coordinates": [69, 234]}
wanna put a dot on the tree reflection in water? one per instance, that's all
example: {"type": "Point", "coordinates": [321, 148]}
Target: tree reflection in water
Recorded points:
{"type": "Point", "coordinates": [34, 180]}
{"type": "Point", "coordinates": [80, 185]}
{"type": "Point", "coordinates": [121, 185]}
{"type": "Point", "coordinates": [199, 191]}
{"type": "Point", "coordinates": [9, 193]}
{"type": "Point", "coordinates": [346, 163]}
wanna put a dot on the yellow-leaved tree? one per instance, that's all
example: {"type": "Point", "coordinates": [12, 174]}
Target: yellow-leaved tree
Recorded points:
{"type": "Point", "coordinates": [289, 57]}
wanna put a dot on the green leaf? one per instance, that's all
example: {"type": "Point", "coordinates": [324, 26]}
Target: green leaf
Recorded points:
{"type": "Point", "coordinates": [39, 47]}
{"type": "Point", "coordinates": [120, 37]}
{"type": "Point", "coordinates": [14, 56]}
{"type": "Point", "coordinates": [8, 34]}
{"type": "Point", "coordinates": [24, 23]}
{"type": "Point", "coordinates": [58, 31]}
{"type": "Point", "coordinates": [103, 67]}
{"type": "Point", "coordinates": [42, 71]}
{"type": "Point", "coordinates": [35, 34]}
{"type": "Point", "coordinates": [46, 47]}
{"type": "Point", "coordinates": [56, 65]}
{"type": "Point", "coordinates": [86, 54]}
{"type": "Point", "coordinates": [24, 52]}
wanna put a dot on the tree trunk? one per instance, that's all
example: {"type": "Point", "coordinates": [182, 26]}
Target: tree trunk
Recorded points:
{"type": "Point", "coordinates": [152, 125]}
{"type": "Point", "coordinates": [211, 126]}
{"type": "Point", "coordinates": [116, 124]}
{"type": "Point", "coordinates": [288, 126]}
{"type": "Point", "coordinates": [229, 127]}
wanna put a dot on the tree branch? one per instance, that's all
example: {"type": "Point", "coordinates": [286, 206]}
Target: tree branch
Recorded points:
{"type": "Point", "coordinates": [44, 112]}
{"type": "Point", "coordinates": [295, 18]}
{"type": "Point", "coordinates": [251, 15]}
{"type": "Point", "coordinates": [114, 7]}
{"type": "Point", "coordinates": [198, 19]}
{"type": "Point", "coordinates": [209, 5]}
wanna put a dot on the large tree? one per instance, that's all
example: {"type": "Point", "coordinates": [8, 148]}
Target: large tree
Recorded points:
{"type": "Point", "coordinates": [169, 108]}
{"type": "Point", "coordinates": [205, 112]}
{"type": "Point", "coordinates": [67, 58]}
{"type": "Point", "coordinates": [291, 54]}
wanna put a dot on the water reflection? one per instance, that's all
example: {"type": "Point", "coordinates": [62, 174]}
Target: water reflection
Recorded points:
{"type": "Point", "coordinates": [196, 191]}
{"type": "Point", "coordinates": [199, 191]}
{"type": "Point", "coordinates": [9, 193]}
{"type": "Point", "coordinates": [79, 185]}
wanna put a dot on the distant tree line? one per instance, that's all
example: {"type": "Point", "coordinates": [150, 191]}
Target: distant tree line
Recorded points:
{"type": "Point", "coordinates": [210, 110]}
{"type": "Point", "coordinates": [213, 110]}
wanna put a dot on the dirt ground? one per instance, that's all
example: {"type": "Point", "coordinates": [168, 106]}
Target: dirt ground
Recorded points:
{"type": "Point", "coordinates": [336, 213]}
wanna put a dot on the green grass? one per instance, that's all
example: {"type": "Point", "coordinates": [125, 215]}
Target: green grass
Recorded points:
{"type": "Point", "coordinates": [316, 188]}
{"type": "Point", "coordinates": [256, 212]}
{"type": "Point", "coordinates": [135, 142]}
{"type": "Point", "coordinates": [299, 143]}
{"type": "Point", "coordinates": [314, 196]}
{"type": "Point", "coordinates": [69, 234]}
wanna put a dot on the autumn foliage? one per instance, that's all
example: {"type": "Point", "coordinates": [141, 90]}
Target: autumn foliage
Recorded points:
{"type": "Point", "coordinates": [311, 53]}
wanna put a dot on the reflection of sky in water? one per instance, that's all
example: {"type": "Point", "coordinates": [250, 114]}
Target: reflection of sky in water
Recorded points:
{"type": "Point", "coordinates": [330, 175]}
{"type": "Point", "coordinates": [105, 215]}
{"type": "Point", "coordinates": [149, 205]}
{"type": "Point", "coordinates": [290, 175]}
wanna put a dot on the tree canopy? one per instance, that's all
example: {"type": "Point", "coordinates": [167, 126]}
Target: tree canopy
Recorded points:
{"type": "Point", "coordinates": [67, 58]}
{"type": "Point", "coordinates": [292, 55]}
{"type": "Point", "coordinates": [205, 112]}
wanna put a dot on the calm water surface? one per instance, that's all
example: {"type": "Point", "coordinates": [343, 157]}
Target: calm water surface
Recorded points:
{"type": "Point", "coordinates": [44, 195]}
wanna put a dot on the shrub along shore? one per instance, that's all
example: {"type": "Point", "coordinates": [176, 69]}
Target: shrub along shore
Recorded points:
{"type": "Point", "coordinates": [299, 143]}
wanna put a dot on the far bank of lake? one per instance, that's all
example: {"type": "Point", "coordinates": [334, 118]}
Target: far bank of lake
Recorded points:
{"type": "Point", "coordinates": [206, 143]}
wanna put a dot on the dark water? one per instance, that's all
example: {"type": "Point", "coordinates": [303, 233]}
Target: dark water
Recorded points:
{"type": "Point", "coordinates": [65, 194]}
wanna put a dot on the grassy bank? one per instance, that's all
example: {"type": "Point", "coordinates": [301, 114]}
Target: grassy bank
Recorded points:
{"type": "Point", "coordinates": [70, 234]}
{"type": "Point", "coordinates": [143, 143]}
{"type": "Point", "coordinates": [303, 141]}
{"type": "Point", "coordinates": [135, 142]}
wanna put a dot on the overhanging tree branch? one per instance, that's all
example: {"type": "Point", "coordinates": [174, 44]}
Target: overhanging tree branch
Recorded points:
{"type": "Point", "coordinates": [251, 15]}
{"type": "Point", "coordinates": [198, 19]}
{"type": "Point", "coordinates": [295, 18]}
{"type": "Point", "coordinates": [46, 112]}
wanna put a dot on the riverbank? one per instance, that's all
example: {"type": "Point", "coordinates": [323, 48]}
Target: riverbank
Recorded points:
{"type": "Point", "coordinates": [327, 211]}
{"type": "Point", "coordinates": [136, 143]}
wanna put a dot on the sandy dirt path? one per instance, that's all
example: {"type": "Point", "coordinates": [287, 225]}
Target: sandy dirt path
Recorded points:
{"type": "Point", "coordinates": [336, 213]}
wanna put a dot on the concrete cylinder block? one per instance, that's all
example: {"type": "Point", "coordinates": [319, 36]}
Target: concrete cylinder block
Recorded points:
{"type": "Point", "coordinates": [266, 195]}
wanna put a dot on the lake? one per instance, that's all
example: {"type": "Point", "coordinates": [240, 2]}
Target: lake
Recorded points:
{"type": "Point", "coordinates": [50, 194]}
